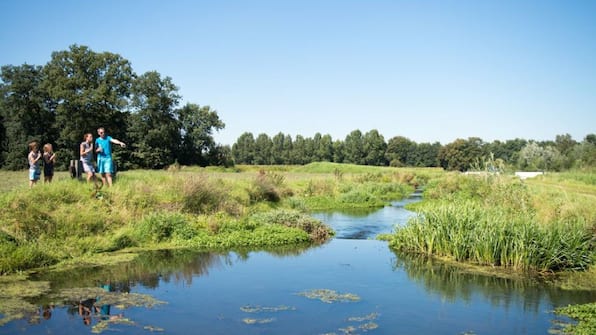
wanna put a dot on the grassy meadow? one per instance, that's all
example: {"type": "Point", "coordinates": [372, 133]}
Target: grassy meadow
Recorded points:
{"type": "Point", "coordinates": [545, 224]}
{"type": "Point", "coordinates": [190, 207]}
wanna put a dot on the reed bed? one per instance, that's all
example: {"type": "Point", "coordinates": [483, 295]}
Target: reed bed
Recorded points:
{"type": "Point", "coordinates": [493, 221]}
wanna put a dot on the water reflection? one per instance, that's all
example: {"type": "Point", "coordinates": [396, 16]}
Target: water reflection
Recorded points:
{"type": "Point", "coordinates": [152, 267]}
{"type": "Point", "coordinates": [452, 283]}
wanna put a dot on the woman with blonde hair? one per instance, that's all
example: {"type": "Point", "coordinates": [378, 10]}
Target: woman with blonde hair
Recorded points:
{"type": "Point", "coordinates": [49, 158]}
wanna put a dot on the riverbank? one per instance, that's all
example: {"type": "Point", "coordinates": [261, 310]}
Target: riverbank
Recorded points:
{"type": "Point", "coordinates": [544, 225]}
{"type": "Point", "coordinates": [205, 209]}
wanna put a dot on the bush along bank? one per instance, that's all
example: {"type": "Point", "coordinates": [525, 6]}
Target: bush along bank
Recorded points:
{"type": "Point", "coordinates": [495, 220]}
{"type": "Point", "coordinates": [67, 219]}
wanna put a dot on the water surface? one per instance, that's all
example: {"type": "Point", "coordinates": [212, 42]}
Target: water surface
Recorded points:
{"type": "Point", "coordinates": [222, 293]}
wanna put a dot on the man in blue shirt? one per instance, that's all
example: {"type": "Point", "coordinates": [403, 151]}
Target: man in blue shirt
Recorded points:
{"type": "Point", "coordinates": [103, 148]}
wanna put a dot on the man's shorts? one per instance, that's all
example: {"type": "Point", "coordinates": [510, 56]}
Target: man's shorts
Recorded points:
{"type": "Point", "coordinates": [105, 165]}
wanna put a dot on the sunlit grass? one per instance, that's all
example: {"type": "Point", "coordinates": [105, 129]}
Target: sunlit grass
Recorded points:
{"type": "Point", "coordinates": [501, 221]}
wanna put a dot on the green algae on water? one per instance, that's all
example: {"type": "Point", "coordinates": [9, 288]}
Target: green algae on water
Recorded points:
{"type": "Point", "coordinates": [153, 329]}
{"type": "Point", "coordinates": [13, 292]}
{"type": "Point", "coordinates": [121, 300]}
{"type": "Point", "coordinates": [329, 296]}
{"type": "Point", "coordinates": [265, 309]}
{"type": "Point", "coordinates": [104, 325]}
{"type": "Point", "coordinates": [369, 317]}
{"type": "Point", "coordinates": [251, 321]}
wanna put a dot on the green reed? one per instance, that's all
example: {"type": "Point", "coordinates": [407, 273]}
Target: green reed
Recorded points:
{"type": "Point", "coordinates": [467, 230]}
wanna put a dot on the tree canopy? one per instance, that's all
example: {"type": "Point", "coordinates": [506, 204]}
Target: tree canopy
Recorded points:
{"type": "Point", "coordinates": [80, 90]}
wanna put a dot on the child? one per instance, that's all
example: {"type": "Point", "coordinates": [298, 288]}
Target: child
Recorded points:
{"type": "Point", "coordinates": [49, 157]}
{"type": "Point", "coordinates": [86, 151]}
{"type": "Point", "coordinates": [33, 158]}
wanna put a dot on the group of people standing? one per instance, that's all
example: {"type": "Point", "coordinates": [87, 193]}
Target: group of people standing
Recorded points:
{"type": "Point", "coordinates": [35, 157]}
{"type": "Point", "coordinates": [102, 147]}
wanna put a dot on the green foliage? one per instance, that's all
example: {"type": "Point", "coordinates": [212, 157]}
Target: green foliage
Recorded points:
{"type": "Point", "coordinates": [493, 221]}
{"type": "Point", "coordinates": [24, 112]}
{"type": "Point", "coordinates": [585, 315]}
{"type": "Point", "coordinates": [198, 145]}
{"type": "Point", "coordinates": [317, 231]}
{"type": "Point", "coordinates": [268, 186]}
{"type": "Point", "coordinates": [15, 258]}
{"type": "Point", "coordinates": [89, 90]}
{"type": "Point", "coordinates": [460, 154]}
{"type": "Point", "coordinates": [184, 207]}
{"type": "Point", "coordinates": [153, 130]}
{"type": "Point", "coordinates": [534, 157]}
{"type": "Point", "coordinates": [203, 196]}
{"type": "Point", "coordinates": [79, 90]}
{"type": "Point", "coordinates": [161, 227]}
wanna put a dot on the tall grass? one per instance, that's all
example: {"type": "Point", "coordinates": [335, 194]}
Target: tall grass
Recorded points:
{"type": "Point", "coordinates": [183, 207]}
{"type": "Point", "coordinates": [494, 222]}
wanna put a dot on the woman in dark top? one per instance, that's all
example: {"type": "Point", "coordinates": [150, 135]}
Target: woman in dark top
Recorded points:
{"type": "Point", "coordinates": [49, 157]}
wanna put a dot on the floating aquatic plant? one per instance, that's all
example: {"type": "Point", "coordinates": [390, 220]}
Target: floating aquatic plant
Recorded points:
{"type": "Point", "coordinates": [261, 309]}
{"type": "Point", "coordinates": [121, 300]}
{"type": "Point", "coordinates": [251, 321]}
{"type": "Point", "coordinates": [368, 326]}
{"type": "Point", "coordinates": [104, 325]}
{"type": "Point", "coordinates": [329, 296]}
{"type": "Point", "coordinates": [369, 317]}
{"type": "Point", "coordinates": [153, 329]}
{"type": "Point", "coordinates": [13, 292]}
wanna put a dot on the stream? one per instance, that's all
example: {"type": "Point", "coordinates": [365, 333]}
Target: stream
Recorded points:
{"type": "Point", "coordinates": [350, 285]}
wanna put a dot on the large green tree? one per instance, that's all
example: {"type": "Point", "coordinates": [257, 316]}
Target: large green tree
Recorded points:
{"type": "Point", "coordinates": [585, 152]}
{"type": "Point", "coordinates": [243, 150]}
{"type": "Point", "coordinates": [263, 149]}
{"type": "Point", "coordinates": [354, 148]}
{"type": "Point", "coordinates": [401, 151]}
{"type": "Point", "coordinates": [89, 90]}
{"type": "Point", "coordinates": [198, 124]}
{"type": "Point", "coordinates": [299, 151]}
{"type": "Point", "coordinates": [534, 157]}
{"type": "Point", "coordinates": [154, 130]}
{"type": "Point", "coordinates": [427, 154]}
{"type": "Point", "coordinates": [374, 147]}
{"type": "Point", "coordinates": [280, 153]}
{"type": "Point", "coordinates": [26, 111]}
{"type": "Point", "coordinates": [461, 154]}
{"type": "Point", "coordinates": [324, 150]}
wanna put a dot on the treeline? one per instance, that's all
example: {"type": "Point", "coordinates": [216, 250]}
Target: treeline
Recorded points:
{"type": "Point", "coordinates": [79, 90]}
{"type": "Point", "coordinates": [371, 149]}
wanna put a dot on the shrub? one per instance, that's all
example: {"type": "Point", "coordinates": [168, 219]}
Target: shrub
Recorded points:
{"type": "Point", "coordinates": [16, 258]}
{"type": "Point", "coordinates": [163, 226]}
{"type": "Point", "coordinates": [267, 186]}
{"type": "Point", "coordinates": [317, 231]}
{"type": "Point", "coordinates": [122, 241]}
{"type": "Point", "coordinates": [202, 196]}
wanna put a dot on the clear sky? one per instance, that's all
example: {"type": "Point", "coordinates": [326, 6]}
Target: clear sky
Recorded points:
{"type": "Point", "coordinates": [427, 70]}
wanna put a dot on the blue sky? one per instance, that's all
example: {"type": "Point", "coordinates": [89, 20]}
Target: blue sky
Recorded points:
{"type": "Point", "coordinates": [427, 70]}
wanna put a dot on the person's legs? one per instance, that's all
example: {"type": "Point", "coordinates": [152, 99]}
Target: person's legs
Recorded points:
{"type": "Point", "coordinates": [109, 178]}
{"type": "Point", "coordinates": [32, 177]}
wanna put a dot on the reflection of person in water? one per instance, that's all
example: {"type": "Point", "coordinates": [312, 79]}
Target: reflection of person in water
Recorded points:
{"type": "Point", "coordinates": [86, 309]}
{"type": "Point", "coordinates": [46, 312]}
{"type": "Point", "coordinates": [104, 309]}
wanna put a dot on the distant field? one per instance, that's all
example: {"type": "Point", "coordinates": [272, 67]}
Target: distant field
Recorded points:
{"type": "Point", "coordinates": [10, 180]}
